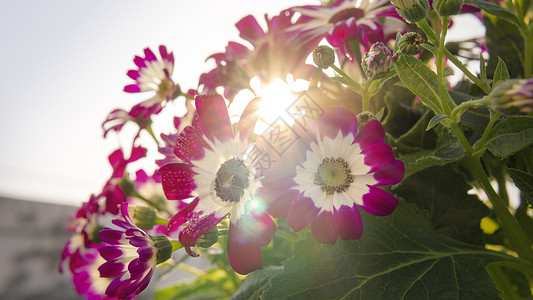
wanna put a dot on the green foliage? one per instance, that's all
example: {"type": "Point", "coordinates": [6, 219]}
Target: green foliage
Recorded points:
{"type": "Point", "coordinates": [511, 135]}
{"type": "Point", "coordinates": [524, 182]}
{"type": "Point", "coordinates": [504, 42]}
{"type": "Point", "coordinates": [398, 257]}
{"type": "Point", "coordinates": [443, 193]}
{"type": "Point", "coordinates": [501, 73]}
{"type": "Point", "coordinates": [419, 79]}
{"type": "Point", "coordinates": [256, 283]}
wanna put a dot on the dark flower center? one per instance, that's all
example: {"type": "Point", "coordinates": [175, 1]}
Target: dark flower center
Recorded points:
{"type": "Point", "coordinates": [345, 14]}
{"type": "Point", "coordinates": [231, 180]}
{"type": "Point", "coordinates": [164, 88]}
{"type": "Point", "coordinates": [333, 175]}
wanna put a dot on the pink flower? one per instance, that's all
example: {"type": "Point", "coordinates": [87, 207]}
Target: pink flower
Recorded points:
{"type": "Point", "coordinates": [276, 52]}
{"type": "Point", "coordinates": [153, 75]}
{"type": "Point", "coordinates": [347, 20]}
{"type": "Point", "coordinates": [131, 256]}
{"type": "Point", "coordinates": [330, 174]}
{"type": "Point", "coordinates": [218, 173]}
{"type": "Point", "coordinates": [117, 118]}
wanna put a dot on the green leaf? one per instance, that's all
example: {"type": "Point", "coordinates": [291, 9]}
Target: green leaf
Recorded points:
{"type": "Point", "coordinates": [436, 120]}
{"type": "Point", "coordinates": [495, 9]}
{"type": "Point", "coordinates": [443, 193]}
{"type": "Point", "coordinates": [511, 135]}
{"type": "Point", "coordinates": [504, 42]}
{"type": "Point", "coordinates": [398, 257]}
{"type": "Point", "coordinates": [215, 284]}
{"type": "Point", "coordinates": [419, 79]}
{"type": "Point", "coordinates": [501, 73]}
{"type": "Point", "coordinates": [524, 182]}
{"type": "Point", "coordinates": [448, 150]}
{"type": "Point", "coordinates": [255, 283]}
{"type": "Point", "coordinates": [482, 68]}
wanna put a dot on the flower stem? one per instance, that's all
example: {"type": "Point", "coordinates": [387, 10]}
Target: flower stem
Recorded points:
{"type": "Point", "coordinates": [510, 225]}
{"type": "Point", "coordinates": [423, 24]}
{"type": "Point", "coordinates": [366, 95]}
{"type": "Point", "coordinates": [349, 81]}
{"type": "Point", "coordinates": [446, 102]}
{"type": "Point", "coordinates": [528, 55]}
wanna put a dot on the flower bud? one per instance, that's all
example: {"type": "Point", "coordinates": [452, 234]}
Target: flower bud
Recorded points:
{"type": "Point", "coordinates": [323, 56]}
{"type": "Point", "coordinates": [364, 117]}
{"type": "Point", "coordinates": [447, 7]}
{"type": "Point", "coordinates": [164, 247]}
{"type": "Point", "coordinates": [513, 96]}
{"type": "Point", "coordinates": [378, 60]}
{"type": "Point", "coordinates": [411, 10]}
{"type": "Point", "coordinates": [143, 216]}
{"type": "Point", "coordinates": [410, 43]}
{"type": "Point", "coordinates": [208, 239]}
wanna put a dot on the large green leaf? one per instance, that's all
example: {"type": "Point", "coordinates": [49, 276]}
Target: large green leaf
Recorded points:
{"type": "Point", "coordinates": [524, 182]}
{"type": "Point", "coordinates": [255, 283]}
{"type": "Point", "coordinates": [511, 135]}
{"type": "Point", "coordinates": [399, 257]}
{"type": "Point", "coordinates": [504, 42]}
{"type": "Point", "coordinates": [443, 193]}
{"type": "Point", "coordinates": [494, 8]}
{"type": "Point", "coordinates": [419, 79]}
{"type": "Point", "coordinates": [447, 150]}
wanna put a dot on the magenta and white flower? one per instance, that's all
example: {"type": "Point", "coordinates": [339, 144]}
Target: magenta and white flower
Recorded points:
{"type": "Point", "coordinates": [332, 173]}
{"type": "Point", "coordinates": [219, 174]}
{"type": "Point", "coordinates": [153, 75]}
{"type": "Point", "coordinates": [131, 256]}
{"type": "Point", "coordinates": [368, 20]}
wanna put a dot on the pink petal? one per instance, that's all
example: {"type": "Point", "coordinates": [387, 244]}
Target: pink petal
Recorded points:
{"type": "Point", "coordinates": [301, 212]}
{"type": "Point", "coordinates": [249, 117]}
{"type": "Point", "coordinates": [190, 145]}
{"type": "Point", "coordinates": [132, 88]}
{"type": "Point", "coordinates": [139, 61]}
{"type": "Point", "coordinates": [377, 155]}
{"type": "Point", "coordinates": [177, 180]}
{"type": "Point", "coordinates": [338, 118]}
{"type": "Point", "coordinates": [214, 117]}
{"type": "Point", "coordinates": [133, 74]}
{"type": "Point", "coordinates": [390, 174]}
{"type": "Point", "coordinates": [349, 222]}
{"type": "Point", "coordinates": [250, 30]}
{"type": "Point", "coordinates": [181, 216]}
{"type": "Point", "coordinates": [278, 202]}
{"type": "Point", "coordinates": [324, 228]}
{"type": "Point", "coordinates": [197, 226]}
{"type": "Point", "coordinates": [150, 56]}
{"type": "Point", "coordinates": [243, 257]}
{"type": "Point", "coordinates": [371, 133]}
{"type": "Point", "coordinates": [137, 153]}
{"type": "Point", "coordinates": [378, 202]}
{"type": "Point", "coordinates": [255, 229]}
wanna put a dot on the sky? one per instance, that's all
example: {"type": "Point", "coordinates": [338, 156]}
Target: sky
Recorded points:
{"type": "Point", "coordinates": [64, 66]}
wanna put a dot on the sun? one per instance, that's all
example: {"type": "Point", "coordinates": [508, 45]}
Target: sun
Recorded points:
{"type": "Point", "coordinates": [278, 96]}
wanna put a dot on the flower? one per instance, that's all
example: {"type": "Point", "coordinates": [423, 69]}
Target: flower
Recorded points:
{"type": "Point", "coordinates": [378, 60]}
{"type": "Point", "coordinates": [412, 10]}
{"type": "Point", "coordinates": [153, 75]}
{"type": "Point", "coordinates": [330, 174]}
{"type": "Point", "coordinates": [323, 56]}
{"type": "Point", "coordinates": [347, 20]}
{"type": "Point", "coordinates": [131, 256]}
{"type": "Point", "coordinates": [513, 96]}
{"type": "Point", "coordinates": [218, 173]}
{"type": "Point", "coordinates": [118, 117]}
{"type": "Point", "coordinates": [276, 53]}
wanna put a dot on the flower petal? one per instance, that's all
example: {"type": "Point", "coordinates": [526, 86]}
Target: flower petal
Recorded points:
{"type": "Point", "coordinates": [243, 257]}
{"type": "Point", "coordinates": [378, 202]}
{"type": "Point", "coordinates": [249, 117]}
{"type": "Point", "coordinates": [190, 145]}
{"type": "Point", "coordinates": [324, 228]}
{"type": "Point", "coordinates": [214, 117]}
{"type": "Point", "coordinates": [371, 133]}
{"type": "Point", "coordinates": [349, 222]}
{"type": "Point", "coordinates": [301, 212]}
{"type": "Point", "coordinates": [390, 174]}
{"type": "Point", "coordinates": [182, 216]}
{"type": "Point", "coordinates": [377, 155]}
{"type": "Point", "coordinates": [178, 181]}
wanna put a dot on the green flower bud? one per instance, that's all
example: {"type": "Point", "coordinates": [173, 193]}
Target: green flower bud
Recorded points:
{"type": "Point", "coordinates": [377, 61]}
{"type": "Point", "coordinates": [143, 216]}
{"type": "Point", "coordinates": [164, 247]}
{"type": "Point", "coordinates": [410, 43]}
{"type": "Point", "coordinates": [411, 10]}
{"type": "Point", "coordinates": [447, 7]}
{"type": "Point", "coordinates": [177, 91]}
{"type": "Point", "coordinates": [514, 96]}
{"type": "Point", "coordinates": [364, 117]}
{"type": "Point", "coordinates": [208, 239]}
{"type": "Point", "coordinates": [323, 56]}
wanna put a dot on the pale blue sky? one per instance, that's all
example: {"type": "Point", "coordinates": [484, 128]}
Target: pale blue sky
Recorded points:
{"type": "Point", "coordinates": [63, 68]}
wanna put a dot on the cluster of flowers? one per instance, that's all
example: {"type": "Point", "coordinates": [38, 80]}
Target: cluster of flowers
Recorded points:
{"type": "Point", "coordinates": [334, 167]}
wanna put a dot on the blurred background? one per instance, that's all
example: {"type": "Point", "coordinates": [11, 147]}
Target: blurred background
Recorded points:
{"type": "Point", "coordinates": [63, 68]}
